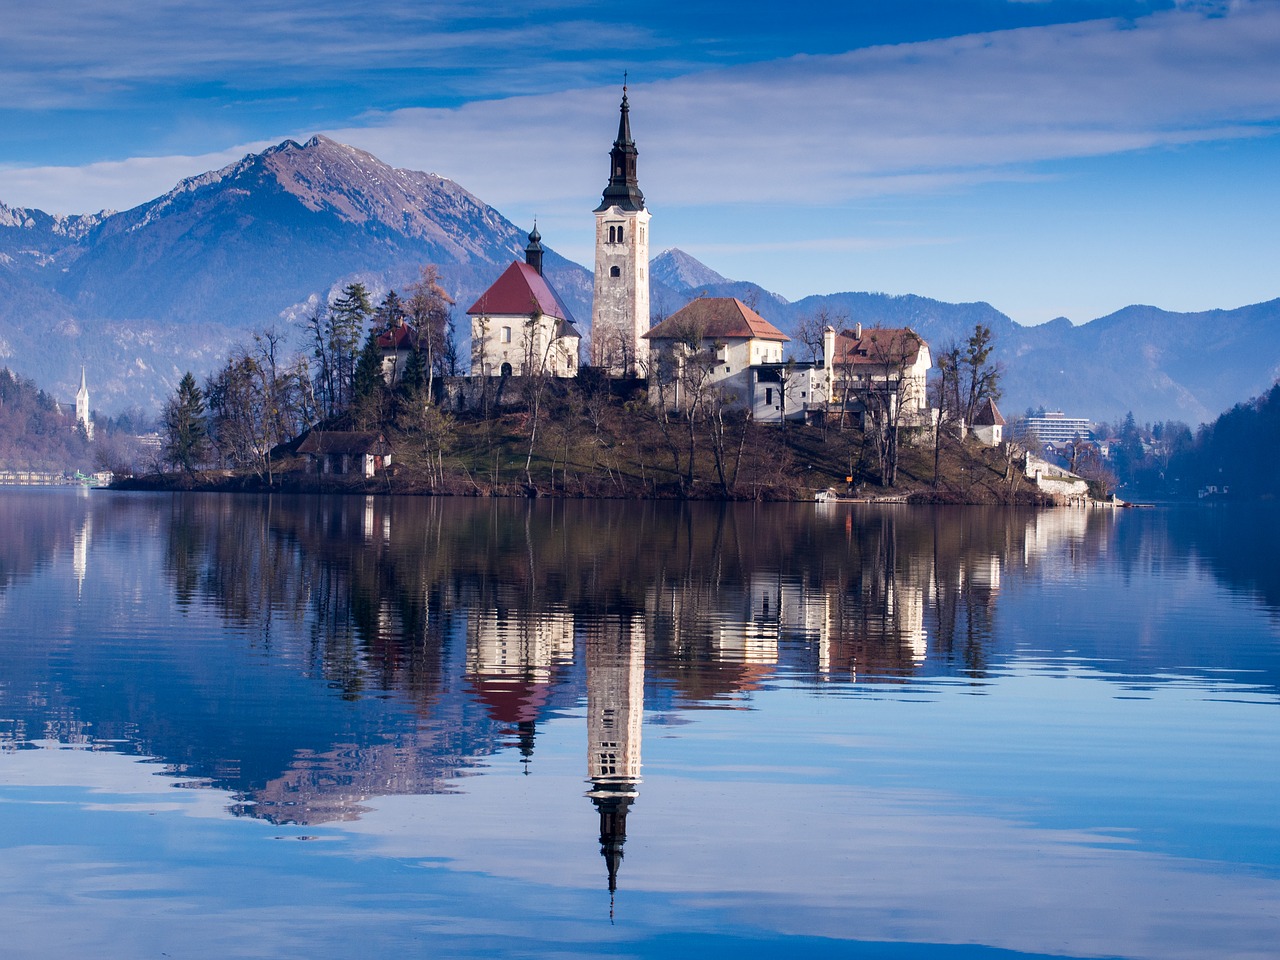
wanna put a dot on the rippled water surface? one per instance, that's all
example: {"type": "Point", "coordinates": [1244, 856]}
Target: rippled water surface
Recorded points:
{"type": "Point", "coordinates": [250, 727]}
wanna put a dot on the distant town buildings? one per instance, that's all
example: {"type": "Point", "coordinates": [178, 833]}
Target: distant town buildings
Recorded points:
{"type": "Point", "coordinates": [1052, 427]}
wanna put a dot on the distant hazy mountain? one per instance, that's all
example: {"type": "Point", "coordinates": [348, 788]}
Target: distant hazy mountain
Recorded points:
{"type": "Point", "coordinates": [1158, 364]}
{"type": "Point", "coordinates": [143, 295]}
{"type": "Point", "coordinates": [140, 296]}
{"type": "Point", "coordinates": [676, 277]}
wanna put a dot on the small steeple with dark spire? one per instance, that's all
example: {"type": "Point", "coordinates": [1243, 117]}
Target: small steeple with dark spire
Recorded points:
{"type": "Point", "coordinates": [613, 804]}
{"type": "Point", "coordinates": [533, 252]}
{"type": "Point", "coordinates": [624, 189]}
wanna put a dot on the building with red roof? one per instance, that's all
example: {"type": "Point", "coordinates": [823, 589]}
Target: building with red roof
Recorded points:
{"type": "Point", "coordinates": [719, 347]}
{"type": "Point", "coordinates": [397, 344]}
{"type": "Point", "coordinates": [880, 368]}
{"type": "Point", "coordinates": [520, 326]}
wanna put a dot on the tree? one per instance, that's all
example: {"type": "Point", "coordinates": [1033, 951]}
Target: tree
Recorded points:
{"type": "Point", "coordinates": [888, 392]}
{"type": "Point", "coordinates": [810, 330]}
{"type": "Point", "coordinates": [368, 386]}
{"type": "Point", "coordinates": [430, 310]}
{"type": "Point", "coordinates": [980, 377]}
{"type": "Point", "coordinates": [325, 382]}
{"type": "Point", "coordinates": [256, 402]}
{"type": "Point", "coordinates": [186, 436]}
{"type": "Point", "coordinates": [946, 400]}
{"type": "Point", "coordinates": [347, 317]}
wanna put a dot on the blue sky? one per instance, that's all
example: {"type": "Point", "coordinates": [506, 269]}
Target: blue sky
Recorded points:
{"type": "Point", "coordinates": [1052, 157]}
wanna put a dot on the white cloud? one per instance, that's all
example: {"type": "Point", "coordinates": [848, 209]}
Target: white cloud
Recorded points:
{"type": "Point", "coordinates": [809, 132]}
{"type": "Point", "coordinates": [889, 120]}
{"type": "Point", "coordinates": [108, 184]}
{"type": "Point", "coordinates": [82, 53]}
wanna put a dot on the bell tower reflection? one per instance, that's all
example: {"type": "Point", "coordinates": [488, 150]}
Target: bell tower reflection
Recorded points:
{"type": "Point", "coordinates": [615, 709]}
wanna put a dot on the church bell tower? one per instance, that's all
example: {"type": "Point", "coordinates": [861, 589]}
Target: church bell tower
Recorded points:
{"type": "Point", "coordinates": [620, 312]}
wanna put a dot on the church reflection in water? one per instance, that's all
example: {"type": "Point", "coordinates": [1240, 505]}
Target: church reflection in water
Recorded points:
{"type": "Point", "coordinates": [383, 647]}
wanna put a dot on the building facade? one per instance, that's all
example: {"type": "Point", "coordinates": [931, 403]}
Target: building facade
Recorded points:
{"type": "Point", "coordinates": [1053, 427]}
{"type": "Point", "coordinates": [879, 370]}
{"type": "Point", "coordinates": [718, 346]}
{"type": "Point", "coordinates": [520, 326]}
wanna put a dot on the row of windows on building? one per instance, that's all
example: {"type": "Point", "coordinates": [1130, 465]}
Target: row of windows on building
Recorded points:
{"type": "Point", "coordinates": [617, 233]}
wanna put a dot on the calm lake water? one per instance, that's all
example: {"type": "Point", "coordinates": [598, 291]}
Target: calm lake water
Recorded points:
{"type": "Point", "coordinates": [252, 727]}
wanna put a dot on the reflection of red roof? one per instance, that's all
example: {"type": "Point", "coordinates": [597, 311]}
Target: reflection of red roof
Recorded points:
{"type": "Point", "coordinates": [401, 338]}
{"type": "Point", "coordinates": [521, 292]}
{"type": "Point", "coordinates": [715, 318]}
{"type": "Point", "coordinates": [878, 345]}
{"type": "Point", "coordinates": [510, 699]}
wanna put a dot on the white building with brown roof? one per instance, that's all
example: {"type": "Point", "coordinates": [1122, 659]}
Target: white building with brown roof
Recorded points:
{"type": "Point", "coordinates": [719, 347]}
{"type": "Point", "coordinates": [988, 424]}
{"type": "Point", "coordinates": [520, 326]}
{"type": "Point", "coordinates": [879, 368]}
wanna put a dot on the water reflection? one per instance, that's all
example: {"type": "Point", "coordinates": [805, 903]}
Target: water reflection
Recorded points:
{"type": "Point", "coordinates": [1038, 731]}
{"type": "Point", "coordinates": [442, 632]}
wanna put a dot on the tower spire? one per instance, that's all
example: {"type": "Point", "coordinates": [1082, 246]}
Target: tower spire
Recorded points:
{"type": "Point", "coordinates": [623, 190]}
{"type": "Point", "coordinates": [533, 251]}
{"type": "Point", "coordinates": [620, 309]}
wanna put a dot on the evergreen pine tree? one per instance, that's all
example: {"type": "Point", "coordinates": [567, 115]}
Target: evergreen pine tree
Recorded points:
{"type": "Point", "coordinates": [186, 438]}
{"type": "Point", "coordinates": [348, 316]}
{"type": "Point", "coordinates": [368, 387]}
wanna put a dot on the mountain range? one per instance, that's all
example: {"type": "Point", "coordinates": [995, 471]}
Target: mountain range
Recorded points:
{"type": "Point", "coordinates": [140, 296]}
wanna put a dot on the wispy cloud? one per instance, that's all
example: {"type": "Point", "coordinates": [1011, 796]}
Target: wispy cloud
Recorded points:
{"type": "Point", "coordinates": [82, 54]}
{"type": "Point", "coordinates": [887, 120]}
{"type": "Point", "coordinates": [811, 130]}
{"type": "Point", "coordinates": [111, 184]}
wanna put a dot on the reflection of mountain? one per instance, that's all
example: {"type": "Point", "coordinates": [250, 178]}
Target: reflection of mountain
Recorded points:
{"type": "Point", "coordinates": [309, 654]}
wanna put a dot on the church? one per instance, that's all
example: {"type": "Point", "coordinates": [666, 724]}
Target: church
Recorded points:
{"type": "Point", "coordinates": [520, 326]}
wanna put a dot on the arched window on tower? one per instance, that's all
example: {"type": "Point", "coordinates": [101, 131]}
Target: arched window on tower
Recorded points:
{"type": "Point", "coordinates": [615, 271]}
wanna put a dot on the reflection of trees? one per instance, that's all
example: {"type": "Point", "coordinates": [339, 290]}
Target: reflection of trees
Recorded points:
{"type": "Point", "coordinates": [399, 639]}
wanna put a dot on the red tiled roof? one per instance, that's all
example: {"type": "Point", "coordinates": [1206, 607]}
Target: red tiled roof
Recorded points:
{"type": "Point", "coordinates": [878, 345]}
{"type": "Point", "coordinates": [510, 699]}
{"type": "Point", "coordinates": [521, 291]}
{"type": "Point", "coordinates": [714, 318]}
{"type": "Point", "coordinates": [330, 442]}
{"type": "Point", "coordinates": [399, 338]}
{"type": "Point", "coordinates": [988, 415]}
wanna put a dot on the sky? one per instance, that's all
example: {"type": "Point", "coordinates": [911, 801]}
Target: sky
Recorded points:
{"type": "Point", "coordinates": [1050, 157]}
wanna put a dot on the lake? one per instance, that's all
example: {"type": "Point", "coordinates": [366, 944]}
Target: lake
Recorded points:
{"type": "Point", "coordinates": [334, 727]}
